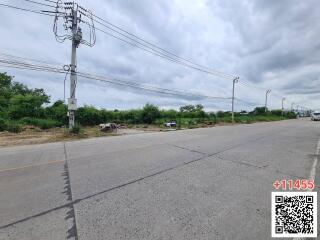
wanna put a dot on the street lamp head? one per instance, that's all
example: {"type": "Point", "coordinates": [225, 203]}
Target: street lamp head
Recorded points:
{"type": "Point", "coordinates": [235, 80]}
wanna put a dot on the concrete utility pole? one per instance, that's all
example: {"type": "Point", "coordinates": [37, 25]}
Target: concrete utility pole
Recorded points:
{"type": "Point", "coordinates": [233, 83]}
{"type": "Point", "coordinates": [267, 92]}
{"type": "Point", "coordinates": [68, 12]}
{"type": "Point", "coordinates": [76, 38]}
{"type": "Point", "coordinates": [282, 109]}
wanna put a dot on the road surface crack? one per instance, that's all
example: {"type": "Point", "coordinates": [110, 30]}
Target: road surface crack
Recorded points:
{"type": "Point", "coordinates": [243, 163]}
{"type": "Point", "coordinates": [188, 149]}
{"type": "Point", "coordinates": [72, 231]}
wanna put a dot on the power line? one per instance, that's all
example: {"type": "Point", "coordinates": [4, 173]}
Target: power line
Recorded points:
{"type": "Point", "coordinates": [29, 59]}
{"type": "Point", "coordinates": [36, 67]}
{"type": "Point", "coordinates": [50, 1]}
{"type": "Point", "coordinates": [16, 62]}
{"type": "Point", "coordinates": [150, 88]}
{"type": "Point", "coordinates": [152, 52]}
{"type": "Point", "coordinates": [39, 3]}
{"type": "Point", "coordinates": [154, 48]}
{"type": "Point", "coordinates": [30, 66]}
{"type": "Point", "coordinates": [26, 10]}
{"type": "Point", "coordinates": [248, 84]}
{"type": "Point", "coordinates": [248, 103]}
{"type": "Point", "coordinates": [156, 53]}
{"type": "Point", "coordinates": [143, 87]}
{"type": "Point", "coordinates": [159, 51]}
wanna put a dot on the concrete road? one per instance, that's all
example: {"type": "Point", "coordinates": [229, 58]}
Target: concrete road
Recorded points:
{"type": "Point", "coordinates": [212, 183]}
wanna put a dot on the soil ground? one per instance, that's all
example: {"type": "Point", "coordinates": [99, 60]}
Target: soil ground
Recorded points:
{"type": "Point", "coordinates": [33, 135]}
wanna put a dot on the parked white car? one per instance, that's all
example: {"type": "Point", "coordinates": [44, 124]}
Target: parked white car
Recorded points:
{"type": "Point", "coordinates": [170, 124]}
{"type": "Point", "coordinates": [315, 116]}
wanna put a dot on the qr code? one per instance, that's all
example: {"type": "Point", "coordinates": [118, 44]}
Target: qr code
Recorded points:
{"type": "Point", "coordinates": [294, 214]}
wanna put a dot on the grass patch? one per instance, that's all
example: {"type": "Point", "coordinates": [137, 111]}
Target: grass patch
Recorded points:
{"type": "Point", "coordinates": [246, 119]}
{"type": "Point", "coordinates": [10, 126]}
{"type": "Point", "coordinates": [14, 127]}
{"type": "Point", "coordinates": [76, 129]}
{"type": "Point", "coordinates": [41, 123]}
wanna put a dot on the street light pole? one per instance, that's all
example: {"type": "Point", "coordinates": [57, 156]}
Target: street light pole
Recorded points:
{"type": "Point", "coordinates": [267, 92]}
{"type": "Point", "coordinates": [233, 83]}
{"type": "Point", "coordinates": [282, 105]}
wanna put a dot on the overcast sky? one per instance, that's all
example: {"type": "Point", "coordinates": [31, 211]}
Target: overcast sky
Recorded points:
{"type": "Point", "coordinates": [270, 44]}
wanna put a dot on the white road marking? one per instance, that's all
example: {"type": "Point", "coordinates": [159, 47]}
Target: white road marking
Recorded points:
{"type": "Point", "coordinates": [30, 166]}
{"type": "Point", "coordinates": [312, 175]}
{"type": "Point", "coordinates": [315, 162]}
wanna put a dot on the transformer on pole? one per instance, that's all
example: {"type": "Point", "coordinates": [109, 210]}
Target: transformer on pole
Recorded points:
{"type": "Point", "coordinates": [70, 15]}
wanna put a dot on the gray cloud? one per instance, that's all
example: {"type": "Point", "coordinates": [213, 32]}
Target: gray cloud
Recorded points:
{"type": "Point", "coordinates": [269, 43]}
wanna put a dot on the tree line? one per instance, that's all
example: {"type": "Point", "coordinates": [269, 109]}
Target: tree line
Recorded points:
{"type": "Point", "coordinates": [21, 105]}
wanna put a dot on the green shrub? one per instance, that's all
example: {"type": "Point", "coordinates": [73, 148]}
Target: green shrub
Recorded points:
{"type": "Point", "coordinates": [88, 115]}
{"type": "Point", "coordinates": [150, 113]}
{"type": "Point", "coordinates": [28, 105]}
{"type": "Point", "coordinates": [161, 121]}
{"type": "Point", "coordinates": [191, 123]}
{"type": "Point", "coordinates": [76, 129]}
{"type": "Point", "coordinates": [221, 114]}
{"type": "Point", "coordinates": [259, 111]}
{"type": "Point", "coordinates": [277, 112]}
{"type": "Point", "coordinates": [213, 118]}
{"type": "Point", "coordinates": [14, 127]}
{"type": "Point", "coordinates": [244, 119]}
{"type": "Point", "coordinates": [41, 123]}
{"type": "Point", "coordinates": [291, 115]}
{"type": "Point", "coordinates": [58, 111]}
{"type": "Point", "coordinates": [227, 119]}
{"type": "Point", "coordinates": [3, 124]}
